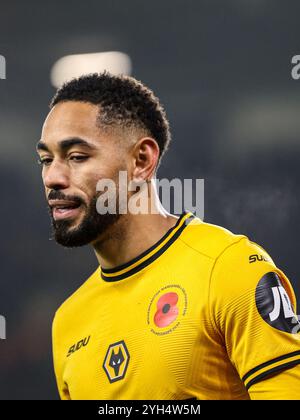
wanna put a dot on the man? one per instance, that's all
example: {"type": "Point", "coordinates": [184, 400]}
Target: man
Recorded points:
{"type": "Point", "coordinates": [178, 308]}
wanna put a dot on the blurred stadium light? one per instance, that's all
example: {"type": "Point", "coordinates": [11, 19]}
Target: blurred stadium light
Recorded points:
{"type": "Point", "coordinates": [76, 65]}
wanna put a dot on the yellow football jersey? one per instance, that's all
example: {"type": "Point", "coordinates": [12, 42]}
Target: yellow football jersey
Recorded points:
{"type": "Point", "coordinates": [203, 313]}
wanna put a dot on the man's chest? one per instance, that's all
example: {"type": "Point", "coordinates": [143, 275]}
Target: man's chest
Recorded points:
{"type": "Point", "coordinates": [138, 342]}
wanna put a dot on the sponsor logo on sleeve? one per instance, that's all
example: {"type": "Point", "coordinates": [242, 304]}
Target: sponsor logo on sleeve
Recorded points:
{"type": "Point", "coordinates": [274, 305]}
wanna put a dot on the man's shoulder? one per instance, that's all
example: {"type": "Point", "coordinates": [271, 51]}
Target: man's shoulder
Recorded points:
{"type": "Point", "coordinates": [209, 239]}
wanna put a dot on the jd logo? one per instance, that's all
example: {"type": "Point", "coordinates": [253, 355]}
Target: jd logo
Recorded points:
{"type": "Point", "coordinates": [116, 361]}
{"type": "Point", "coordinates": [274, 305]}
{"type": "Point", "coordinates": [281, 298]}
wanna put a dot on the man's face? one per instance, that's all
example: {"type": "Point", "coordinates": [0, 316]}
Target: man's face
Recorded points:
{"type": "Point", "coordinates": [75, 155]}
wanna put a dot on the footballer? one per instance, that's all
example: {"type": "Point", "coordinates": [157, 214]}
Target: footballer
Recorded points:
{"type": "Point", "coordinates": [178, 308]}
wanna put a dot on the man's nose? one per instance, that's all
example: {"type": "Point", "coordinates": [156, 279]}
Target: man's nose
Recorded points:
{"type": "Point", "coordinates": [56, 176]}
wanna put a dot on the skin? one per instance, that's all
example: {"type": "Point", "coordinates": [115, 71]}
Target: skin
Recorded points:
{"type": "Point", "coordinates": [76, 170]}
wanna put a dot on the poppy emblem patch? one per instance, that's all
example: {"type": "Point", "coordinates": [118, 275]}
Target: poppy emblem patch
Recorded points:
{"type": "Point", "coordinates": [166, 309]}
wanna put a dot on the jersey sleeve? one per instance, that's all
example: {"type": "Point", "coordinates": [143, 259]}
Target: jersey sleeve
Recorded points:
{"type": "Point", "coordinates": [284, 385]}
{"type": "Point", "coordinates": [57, 362]}
{"type": "Point", "coordinates": [253, 309]}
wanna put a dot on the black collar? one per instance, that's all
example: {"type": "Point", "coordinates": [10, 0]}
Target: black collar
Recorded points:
{"type": "Point", "coordinates": [151, 254]}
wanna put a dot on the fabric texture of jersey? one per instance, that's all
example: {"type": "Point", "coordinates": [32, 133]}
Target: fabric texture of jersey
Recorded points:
{"type": "Point", "coordinates": [203, 313]}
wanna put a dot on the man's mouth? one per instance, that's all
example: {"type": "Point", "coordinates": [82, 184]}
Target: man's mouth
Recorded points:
{"type": "Point", "coordinates": [62, 209]}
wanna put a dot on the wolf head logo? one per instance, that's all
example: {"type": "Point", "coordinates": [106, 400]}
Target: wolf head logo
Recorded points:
{"type": "Point", "coordinates": [116, 359]}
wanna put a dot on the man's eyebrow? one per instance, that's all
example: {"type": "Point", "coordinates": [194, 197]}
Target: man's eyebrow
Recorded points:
{"type": "Point", "coordinates": [41, 146]}
{"type": "Point", "coordinates": [66, 144]}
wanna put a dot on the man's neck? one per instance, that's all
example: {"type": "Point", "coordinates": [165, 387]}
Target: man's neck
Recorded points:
{"type": "Point", "coordinates": [132, 235]}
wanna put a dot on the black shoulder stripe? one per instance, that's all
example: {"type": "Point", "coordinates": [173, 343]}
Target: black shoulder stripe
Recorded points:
{"type": "Point", "coordinates": [270, 362]}
{"type": "Point", "coordinates": [271, 371]}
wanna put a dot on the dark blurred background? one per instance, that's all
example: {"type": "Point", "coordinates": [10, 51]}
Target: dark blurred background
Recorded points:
{"type": "Point", "coordinates": [222, 71]}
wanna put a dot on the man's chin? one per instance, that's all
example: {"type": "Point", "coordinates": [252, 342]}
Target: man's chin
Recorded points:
{"type": "Point", "coordinates": [76, 232]}
{"type": "Point", "coordinates": [70, 233]}
{"type": "Point", "coordinates": [71, 238]}
{"type": "Point", "coordinates": [66, 225]}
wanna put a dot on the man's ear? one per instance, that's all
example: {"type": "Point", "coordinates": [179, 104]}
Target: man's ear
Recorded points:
{"type": "Point", "coordinates": [146, 156]}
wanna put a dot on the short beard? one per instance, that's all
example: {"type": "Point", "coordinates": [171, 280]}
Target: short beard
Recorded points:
{"type": "Point", "coordinates": [93, 226]}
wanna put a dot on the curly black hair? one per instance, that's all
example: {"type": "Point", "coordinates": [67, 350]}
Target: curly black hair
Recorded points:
{"type": "Point", "coordinates": [124, 102]}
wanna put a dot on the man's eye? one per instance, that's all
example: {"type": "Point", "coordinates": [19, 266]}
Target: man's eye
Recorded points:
{"type": "Point", "coordinates": [44, 161]}
{"type": "Point", "coordinates": [78, 158]}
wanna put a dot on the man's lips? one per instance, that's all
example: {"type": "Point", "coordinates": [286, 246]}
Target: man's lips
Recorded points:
{"type": "Point", "coordinates": [62, 209]}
